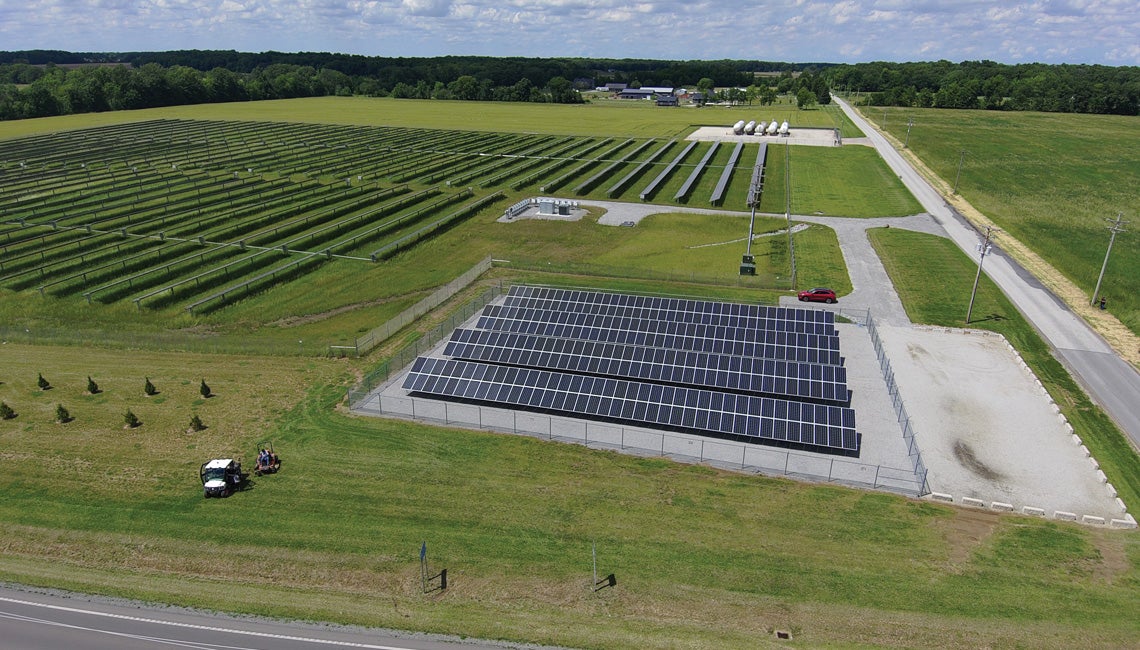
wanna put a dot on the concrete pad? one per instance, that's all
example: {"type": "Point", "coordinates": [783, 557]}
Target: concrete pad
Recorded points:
{"type": "Point", "coordinates": [985, 429]}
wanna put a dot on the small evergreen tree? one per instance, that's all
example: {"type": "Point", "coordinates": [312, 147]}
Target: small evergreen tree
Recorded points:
{"type": "Point", "coordinates": [196, 423]}
{"type": "Point", "coordinates": [204, 389]}
{"type": "Point", "coordinates": [131, 419]}
{"type": "Point", "coordinates": [149, 388]}
{"type": "Point", "coordinates": [92, 387]}
{"type": "Point", "coordinates": [6, 412]}
{"type": "Point", "coordinates": [43, 383]}
{"type": "Point", "coordinates": [61, 414]}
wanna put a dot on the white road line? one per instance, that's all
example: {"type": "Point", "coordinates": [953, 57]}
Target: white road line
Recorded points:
{"type": "Point", "coordinates": [192, 626]}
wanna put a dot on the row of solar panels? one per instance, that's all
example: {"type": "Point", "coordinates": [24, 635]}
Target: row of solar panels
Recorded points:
{"type": "Point", "coordinates": [753, 375]}
{"type": "Point", "coordinates": [747, 417]}
{"type": "Point", "coordinates": [789, 346]}
{"type": "Point", "coordinates": [766, 323]}
{"type": "Point", "coordinates": [681, 305]}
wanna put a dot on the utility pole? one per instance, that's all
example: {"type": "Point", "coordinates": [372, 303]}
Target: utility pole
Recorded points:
{"type": "Point", "coordinates": [1114, 227]}
{"type": "Point", "coordinates": [909, 123]}
{"type": "Point", "coordinates": [961, 159]}
{"type": "Point", "coordinates": [983, 249]}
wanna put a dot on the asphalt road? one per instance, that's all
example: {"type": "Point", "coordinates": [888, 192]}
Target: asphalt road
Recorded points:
{"type": "Point", "coordinates": [48, 621]}
{"type": "Point", "coordinates": [1109, 380]}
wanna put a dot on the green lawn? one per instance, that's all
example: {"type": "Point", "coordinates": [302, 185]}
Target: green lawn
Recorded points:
{"type": "Point", "coordinates": [913, 258]}
{"type": "Point", "coordinates": [1050, 180]}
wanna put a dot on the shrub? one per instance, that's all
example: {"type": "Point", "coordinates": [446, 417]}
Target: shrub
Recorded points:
{"type": "Point", "coordinates": [6, 412]}
{"type": "Point", "coordinates": [61, 414]}
{"type": "Point", "coordinates": [131, 419]}
{"type": "Point", "coordinates": [149, 388]}
{"type": "Point", "coordinates": [204, 389]}
{"type": "Point", "coordinates": [43, 383]}
{"type": "Point", "coordinates": [92, 387]}
{"type": "Point", "coordinates": [196, 423]}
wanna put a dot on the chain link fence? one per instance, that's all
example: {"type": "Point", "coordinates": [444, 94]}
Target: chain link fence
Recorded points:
{"type": "Point", "coordinates": [908, 431]}
{"type": "Point", "coordinates": [369, 341]}
{"type": "Point", "coordinates": [727, 454]}
{"type": "Point", "coordinates": [404, 357]}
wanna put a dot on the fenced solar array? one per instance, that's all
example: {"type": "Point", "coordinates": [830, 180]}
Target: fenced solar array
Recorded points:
{"type": "Point", "coordinates": [200, 213]}
{"type": "Point", "coordinates": [717, 369]}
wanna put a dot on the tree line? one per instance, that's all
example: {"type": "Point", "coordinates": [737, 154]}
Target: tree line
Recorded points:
{"type": "Point", "coordinates": [40, 83]}
{"type": "Point", "coordinates": [1063, 88]}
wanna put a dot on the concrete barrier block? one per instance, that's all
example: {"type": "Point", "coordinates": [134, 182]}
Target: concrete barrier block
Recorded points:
{"type": "Point", "coordinates": [1068, 427]}
{"type": "Point", "coordinates": [1120, 504]}
{"type": "Point", "coordinates": [1064, 516]}
{"type": "Point", "coordinates": [1101, 477]}
{"type": "Point", "coordinates": [1003, 507]}
{"type": "Point", "coordinates": [942, 496]}
{"type": "Point", "coordinates": [1035, 512]}
{"type": "Point", "coordinates": [1128, 521]}
{"type": "Point", "coordinates": [1094, 464]}
{"type": "Point", "coordinates": [1056, 409]}
{"type": "Point", "coordinates": [1085, 451]}
{"type": "Point", "coordinates": [1076, 440]}
{"type": "Point", "coordinates": [1090, 519]}
{"type": "Point", "coordinates": [975, 503]}
{"type": "Point", "coordinates": [1111, 490]}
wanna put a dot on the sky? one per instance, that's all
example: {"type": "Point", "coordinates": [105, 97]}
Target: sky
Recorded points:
{"type": "Point", "coordinates": [800, 31]}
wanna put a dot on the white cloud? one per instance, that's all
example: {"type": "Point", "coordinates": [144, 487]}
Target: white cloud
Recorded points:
{"type": "Point", "coordinates": [1076, 31]}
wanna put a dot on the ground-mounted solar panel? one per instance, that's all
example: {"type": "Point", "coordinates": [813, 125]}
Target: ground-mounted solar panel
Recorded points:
{"type": "Point", "coordinates": [763, 319]}
{"type": "Point", "coordinates": [783, 347]}
{"type": "Point", "coordinates": [759, 376]}
{"type": "Point", "coordinates": [742, 417]}
{"type": "Point", "coordinates": [680, 305]}
{"type": "Point", "coordinates": [810, 348]}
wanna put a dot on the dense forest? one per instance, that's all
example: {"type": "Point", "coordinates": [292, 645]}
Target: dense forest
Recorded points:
{"type": "Point", "coordinates": [39, 83]}
{"type": "Point", "coordinates": [995, 86]}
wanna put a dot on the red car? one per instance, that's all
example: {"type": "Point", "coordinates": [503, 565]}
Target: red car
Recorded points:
{"type": "Point", "coordinates": [819, 294]}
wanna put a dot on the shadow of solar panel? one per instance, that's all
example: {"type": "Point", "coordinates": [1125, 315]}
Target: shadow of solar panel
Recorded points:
{"type": "Point", "coordinates": [681, 408]}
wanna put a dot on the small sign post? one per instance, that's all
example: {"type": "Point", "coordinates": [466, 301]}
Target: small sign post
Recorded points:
{"type": "Point", "coordinates": [423, 566]}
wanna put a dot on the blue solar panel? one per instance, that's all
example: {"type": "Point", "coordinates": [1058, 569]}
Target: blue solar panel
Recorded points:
{"type": "Point", "coordinates": [744, 374]}
{"type": "Point", "coordinates": [758, 318]}
{"type": "Point", "coordinates": [680, 407]}
{"type": "Point", "coordinates": [724, 369]}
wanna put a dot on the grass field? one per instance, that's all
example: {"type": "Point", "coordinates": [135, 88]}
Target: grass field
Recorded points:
{"type": "Point", "coordinates": [1050, 180]}
{"type": "Point", "coordinates": [611, 117]}
{"type": "Point", "coordinates": [704, 558]}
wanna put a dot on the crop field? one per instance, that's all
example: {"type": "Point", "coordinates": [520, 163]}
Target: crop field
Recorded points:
{"type": "Point", "coordinates": [1050, 180]}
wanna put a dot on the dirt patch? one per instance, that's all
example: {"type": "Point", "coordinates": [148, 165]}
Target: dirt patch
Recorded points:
{"type": "Point", "coordinates": [966, 456]}
{"type": "Point", "coordinates": [965, 532]}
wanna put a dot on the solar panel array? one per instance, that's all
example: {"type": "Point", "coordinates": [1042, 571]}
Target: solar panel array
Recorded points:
{"type": "Point", "coordinates": [748, 372]}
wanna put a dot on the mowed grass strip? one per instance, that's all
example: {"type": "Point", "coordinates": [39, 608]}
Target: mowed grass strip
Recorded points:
{"type": "Point", "coordinates": [912, 259]}
{"type": "Point", "coordinates": [703, 557]}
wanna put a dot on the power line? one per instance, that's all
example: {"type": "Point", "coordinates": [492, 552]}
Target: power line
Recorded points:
{"type": "Point", "coordinates": [1115, 226]}
{"type": "Point", "coordinates": [983, 249]}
